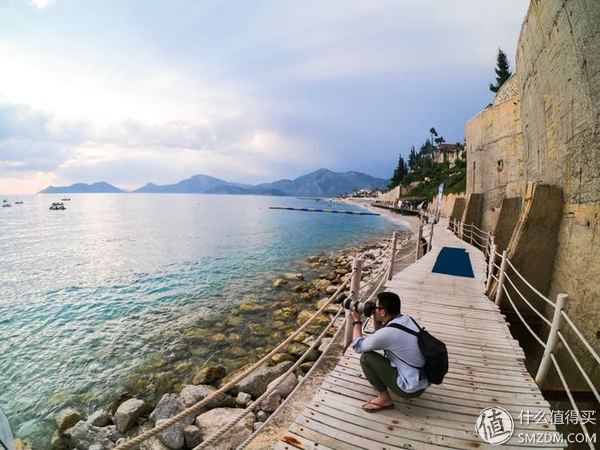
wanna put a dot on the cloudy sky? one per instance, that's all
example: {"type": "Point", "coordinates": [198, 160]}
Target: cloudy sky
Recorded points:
{"type": "Point", "coordinates": [131, 92]}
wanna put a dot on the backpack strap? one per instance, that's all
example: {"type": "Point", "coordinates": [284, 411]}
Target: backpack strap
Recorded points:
{"type": "Point", "coordinates": [417, 325]}
{"type": "Point", "coordinates": [409, 331]}
{"type": "Point", "coordinates": [403, 328]}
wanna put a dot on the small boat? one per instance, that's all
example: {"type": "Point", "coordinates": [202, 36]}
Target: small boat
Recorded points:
{"type": "Point", "coordinates": [18, 202]}
{"type": "Point", "coordinates": [6, 205]}
{"type": "Point", "coordinates": [56, 206]}
{"type": "Point", "coordinates": [66, 199]}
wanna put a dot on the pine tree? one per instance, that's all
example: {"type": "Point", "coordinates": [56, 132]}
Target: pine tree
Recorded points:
{"type": "Point", "coordinates": [413, 159]}
{"type": "Point", "coordinates": [399, 173]}
{"type": "Point", "coordinates": [503, 72]}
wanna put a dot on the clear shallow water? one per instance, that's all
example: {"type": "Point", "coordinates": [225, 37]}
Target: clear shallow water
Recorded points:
{"type": "Point", "coordinates": [89, 294]}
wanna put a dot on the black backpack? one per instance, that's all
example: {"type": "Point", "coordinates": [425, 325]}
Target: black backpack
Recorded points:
{"type": "Point", "coordinates": [434, 351]}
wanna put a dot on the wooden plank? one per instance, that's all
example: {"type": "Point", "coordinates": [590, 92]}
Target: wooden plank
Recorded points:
{"type": "Point", "coordinates": [485, 369]}
{"type": "Point", "coordinates": [290, 441]}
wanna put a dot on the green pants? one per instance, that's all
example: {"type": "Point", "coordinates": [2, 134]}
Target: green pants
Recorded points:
{"type": "Point", "coordinates": [380, 373]}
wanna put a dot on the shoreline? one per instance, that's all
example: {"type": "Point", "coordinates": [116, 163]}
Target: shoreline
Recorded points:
{"type": "Point", "coordinates": [284, 305]}
{"type": "Point", "coordinates": [412, 222]}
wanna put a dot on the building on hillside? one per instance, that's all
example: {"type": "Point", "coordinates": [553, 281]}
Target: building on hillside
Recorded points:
{"type": "Point", "coordinates": [447, 153]}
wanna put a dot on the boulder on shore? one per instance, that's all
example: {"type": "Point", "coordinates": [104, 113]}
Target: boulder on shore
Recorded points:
{"type": "Point", "coordinates": [214, 420]}
{"type": "Point", "coordinates": [128, 413]}
{"type": "Point", "coordinates": [256, 383]}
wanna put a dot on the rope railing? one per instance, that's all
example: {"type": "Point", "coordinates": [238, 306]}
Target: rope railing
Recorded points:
{"type": "Point", "coordinates": [539, 314]}
{"type": "Point", "coordinates": [249, 409]}
{"type": "Point", "coordinates": [542, 296]}
{"type": "Point", "coordinates": [556, 335]}
{"type": "Point", "coordinates": [572, 400]}
{"type": "Point", "coordinates": [578, 364]}
{"type": "Point", "coordinates": [389, 253]}
{"type": "Point", "coordinates": [196, 408]}
{"type": "Point", "coordinates": [537, 338]}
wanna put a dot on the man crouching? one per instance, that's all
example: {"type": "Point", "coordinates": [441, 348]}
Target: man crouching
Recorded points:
{"type": "Point", "coordinates": [399, 371]}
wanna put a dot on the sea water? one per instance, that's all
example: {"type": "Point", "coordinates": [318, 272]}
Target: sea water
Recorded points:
{"type": "Point", "coordinates": [90, 294]}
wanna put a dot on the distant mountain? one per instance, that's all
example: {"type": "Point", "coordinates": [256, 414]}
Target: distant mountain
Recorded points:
{"type": "Point", "coordinates": [82, 188]}
{"type": "Point", "coordinates": [321, 183]}
{"type": "Point", "coordinates": [325, 183]}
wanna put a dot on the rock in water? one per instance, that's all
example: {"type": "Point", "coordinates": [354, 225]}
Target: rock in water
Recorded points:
{"type": "Point", "coordinates": [67, 418]}
{"type": "Point", "coordinates": [209, 374]}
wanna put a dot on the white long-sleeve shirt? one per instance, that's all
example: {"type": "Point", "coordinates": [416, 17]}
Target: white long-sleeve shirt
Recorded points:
{"type": "Point", "coordinates": [400, 348]}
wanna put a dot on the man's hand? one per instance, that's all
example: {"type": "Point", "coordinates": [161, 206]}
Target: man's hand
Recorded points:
{"type": "Point", "coordinates": [354, 314]}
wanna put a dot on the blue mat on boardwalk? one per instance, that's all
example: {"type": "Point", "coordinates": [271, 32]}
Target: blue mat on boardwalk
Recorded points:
{"type": "Point", "coordinates": [453, 261]}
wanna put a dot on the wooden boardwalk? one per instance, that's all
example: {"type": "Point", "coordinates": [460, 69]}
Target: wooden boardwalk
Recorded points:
{"type": "Point", "coordinates": [486, 370]}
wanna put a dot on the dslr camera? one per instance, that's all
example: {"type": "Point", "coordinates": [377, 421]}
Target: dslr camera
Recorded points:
{"type": "Point", "coordinates": [365, 308]}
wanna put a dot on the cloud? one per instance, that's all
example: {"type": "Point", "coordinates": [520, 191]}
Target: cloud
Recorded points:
{"type": "Point", "coordinates": [42, 4]}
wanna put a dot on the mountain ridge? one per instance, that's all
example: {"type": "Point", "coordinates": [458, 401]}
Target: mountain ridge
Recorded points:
{"type": "Point", "coordinates": [319, 183]}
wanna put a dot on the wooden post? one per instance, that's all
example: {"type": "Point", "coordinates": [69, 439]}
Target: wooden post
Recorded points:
{"type": "Point", "coordinates": [391, 268]}
{"type": "Point", "coordinates": [491, 261]}
{"type": "Point", "coordinates": [354, 291]}
{"type": "Point", "coordinates": [417, 250]}
{"type": "Point", "coordinates": [561, 301]}
{"type": "Point", "coordinates": [501, 279]}
{"type": "Point", "coordinates": [471, 235]}
{"type": "Point", "coordinates": [430, 238]}
{"type": "Point", "coordinates": [460, 230]}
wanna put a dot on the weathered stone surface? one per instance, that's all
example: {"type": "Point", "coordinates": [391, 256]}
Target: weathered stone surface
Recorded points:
{"type": "Point", "coordinates": [312, 259]}
{"type": "Point", "coordinates": [192, 436]}
{"type": "Point", "coordinates": [293, 276]}
{"type": "Point", "coordinates": [321, 319]}
{"type": "Point", "coordinates": [261, 416]}
{"type": "Point", "coordinates": [128, 413]}
{"type": "Point", "coordinates": [256, 383]}
{"type": "Point", "coordinates": [214, 420]}
{"type": "Point", "coordinates": [324, 343]}
{"type": "Point", "coordinates": [279, 283]}
{"type": "Point", "coordinates": [322, 283]}
{"type": "Point", "coordinates": [169, 406]}
{"type": "Point", "coordinates": [57, 442]}
{"type": "Point", "coordinates": [209, 374]}
{"type": "Point", "coordinates": [192, 394]}
{"type": "Point", "coordinates": [66, 418]}
{"type": "Point", "coordinates": [153, 443]}
{"type": "Point", "coordinates": [257, 425]}
{"type": "Point", "coordinates": [306, 366]}
{"type": "Point", "coordinates": [172, 437]}
{"type": "Point", "coordinates": [282, 387]}
{"type": "Point", "coordinates": [98, 418]}
{"type": "Point", "coordinates": [281, 357]}
{"type": "Point", "coordinates": [83, 436]}
{"type": "Point", "coordinates": [243, 398]}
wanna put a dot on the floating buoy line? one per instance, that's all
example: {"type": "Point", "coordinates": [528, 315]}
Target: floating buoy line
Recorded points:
{"type": "Point", "coordinates": [333, 211]}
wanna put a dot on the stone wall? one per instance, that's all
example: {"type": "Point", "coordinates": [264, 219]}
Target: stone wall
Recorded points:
{"type": "Point", "coordinates": [558, 60]}
{"type": "Point", "coordinates": [495, 157]}
{"type": "Point", "coordinates": [549, 133]}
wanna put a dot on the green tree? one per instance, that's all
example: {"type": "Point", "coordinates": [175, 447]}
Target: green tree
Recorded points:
{"type": "Point", "coordinates": [503, 72]}
{"type": "Point", "coordinates": [399, 173]}
{"type": "Point", "coordinates": [413, 159]}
